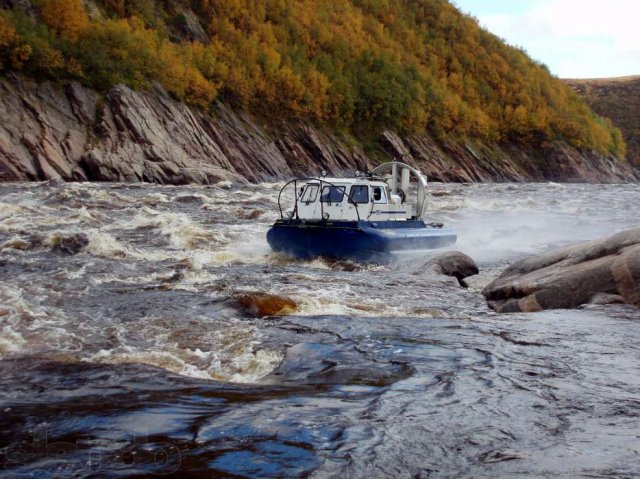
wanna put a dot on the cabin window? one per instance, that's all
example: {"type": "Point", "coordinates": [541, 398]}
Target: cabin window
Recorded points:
{"type": "Point", "coordinates": [331, 194]}
{"type": "Point", "coordinates": [379, 195]}
{"type": "Point", "coordinates": [359, 194]}
{"type": "Point", "coordinates": [310, 193]}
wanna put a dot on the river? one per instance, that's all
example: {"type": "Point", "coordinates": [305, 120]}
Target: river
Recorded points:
{"type": "Point", "coordinates": [134, 357]}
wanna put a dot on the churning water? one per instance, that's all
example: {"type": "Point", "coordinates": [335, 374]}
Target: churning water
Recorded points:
{"type": "Point", "coordinates": [138, 355]}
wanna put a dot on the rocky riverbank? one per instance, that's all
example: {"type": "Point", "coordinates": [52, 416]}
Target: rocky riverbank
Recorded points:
{"type": "Point", "coordinates": [70, 132]}
{"type": "Point", "coordinates": [599, 271]}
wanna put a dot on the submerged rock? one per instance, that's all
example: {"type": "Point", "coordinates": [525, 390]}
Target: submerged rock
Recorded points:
{"type": "Point", "coordinates": [265, 304]}
{"type": "Point", "coordinates": [70, 244]}
{"type": "Point", "coordinates": [599, 271]}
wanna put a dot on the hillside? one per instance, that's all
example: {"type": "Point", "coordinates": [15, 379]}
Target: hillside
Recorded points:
{"type": "Point", "coordinates": [619, 100]}
{"type": "Point", "coordinates": [373, 77]}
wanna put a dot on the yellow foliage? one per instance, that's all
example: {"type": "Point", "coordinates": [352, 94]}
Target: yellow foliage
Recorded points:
{"type": "Point", "coordinates": [290, 89]}
{"type": "Point", "coordinates": [49, 59]}
{"type": "Point", "coordinates": [19, 56]}
{"type": "Point", "coordinates": [74, 67]}
{"type": "Point", "coordinates": [68, 18]}
{"type": "Point", "coordinates": [12, 46]}
{"type": "Point", "coordinates": [7, 32]}
{"type": "Point", "coordinates": [317, 85]}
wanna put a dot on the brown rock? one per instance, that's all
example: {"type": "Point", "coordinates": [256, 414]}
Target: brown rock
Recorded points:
{"type": "Point", "coordinates": [265, 304]}
{"type": "Point", "coordinates": [571, 276]}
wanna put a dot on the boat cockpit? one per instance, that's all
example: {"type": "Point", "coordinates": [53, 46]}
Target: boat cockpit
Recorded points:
{"type": "Point", "coordinates": [381, 195]}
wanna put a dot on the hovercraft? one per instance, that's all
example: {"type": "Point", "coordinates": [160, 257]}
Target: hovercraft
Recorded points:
{"type": "Point", "coordinates": [366, 218]}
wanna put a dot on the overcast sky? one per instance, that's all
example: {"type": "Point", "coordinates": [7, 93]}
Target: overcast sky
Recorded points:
{"type": "Point", "coordinates": [575, 39]}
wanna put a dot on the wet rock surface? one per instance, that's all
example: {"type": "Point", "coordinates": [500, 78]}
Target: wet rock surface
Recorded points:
{"type": "Point", "coordinates": [50, 132]}
{"type": "Point", "coordinates": [599, 271]}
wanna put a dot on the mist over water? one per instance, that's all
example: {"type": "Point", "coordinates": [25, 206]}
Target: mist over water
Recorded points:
{"type": "Point", "coordinates": [139, 356]}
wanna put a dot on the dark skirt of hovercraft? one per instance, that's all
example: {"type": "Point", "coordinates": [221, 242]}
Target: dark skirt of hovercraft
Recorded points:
{"type": "Point", "coordinates": [352, 240]}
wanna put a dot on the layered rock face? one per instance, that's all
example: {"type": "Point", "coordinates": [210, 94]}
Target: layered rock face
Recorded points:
{"type": "Point", "coordinates": [599, 271]}
{"type": "Point", "coordinates": [72, 133]}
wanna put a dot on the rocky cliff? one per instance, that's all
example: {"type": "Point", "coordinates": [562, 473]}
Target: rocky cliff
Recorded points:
{"type": "Point", "coordinates": [70, 132]}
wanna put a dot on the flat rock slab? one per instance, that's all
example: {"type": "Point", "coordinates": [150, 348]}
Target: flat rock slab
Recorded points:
{"type": "Point", "coordinates": [571, 276]}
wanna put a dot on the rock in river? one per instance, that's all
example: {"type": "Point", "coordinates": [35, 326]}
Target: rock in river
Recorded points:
{"type": "Point", "coordinates": [265, 304]}
{"type": "Point", "coordinates": [568, 277]}
{"type": "Point", "coordinates": [69, 243]}
{"type": "Point", "coordinates": [449, 264]}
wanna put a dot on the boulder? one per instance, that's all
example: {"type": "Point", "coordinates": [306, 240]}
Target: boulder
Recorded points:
{"type": "Point", "coordinates": [450, 264]}
{"type": "Point", "coordinates": [599, 271]}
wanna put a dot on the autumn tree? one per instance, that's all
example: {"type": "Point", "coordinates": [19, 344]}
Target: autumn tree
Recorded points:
{"type": "Point", "coordinates": [68, 18]}
{"type": "Point", "coordinates": [14, 53]}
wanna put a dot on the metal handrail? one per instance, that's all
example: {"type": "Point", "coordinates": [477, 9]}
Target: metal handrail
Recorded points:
{"type": "Point", "coordinates": [306, 179]}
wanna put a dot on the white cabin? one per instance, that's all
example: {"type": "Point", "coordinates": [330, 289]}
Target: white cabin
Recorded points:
{"type": "Point", "coordinates": [377, 197]}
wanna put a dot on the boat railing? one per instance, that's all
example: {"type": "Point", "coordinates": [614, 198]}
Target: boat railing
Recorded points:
{"type": "Point", "coordinates": [308, 179]}
{"type": "Point", "coordinates": [397, 175]}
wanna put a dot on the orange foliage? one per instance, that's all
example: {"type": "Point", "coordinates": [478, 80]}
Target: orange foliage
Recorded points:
{"type": "Point", "coordinates": [7, 32]}
{"type": "Point", "coordinates": [68, 18]}
{"type": "Point", "coordinates": [11, 46]}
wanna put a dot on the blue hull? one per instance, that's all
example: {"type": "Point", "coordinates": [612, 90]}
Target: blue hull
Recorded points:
{"type": "Point", "coordinates": [360, 241]}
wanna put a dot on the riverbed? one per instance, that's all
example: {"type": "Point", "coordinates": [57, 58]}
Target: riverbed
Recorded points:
{"type": "Point", "coordinates": [134, 356]}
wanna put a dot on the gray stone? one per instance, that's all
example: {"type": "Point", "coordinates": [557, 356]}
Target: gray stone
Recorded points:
{"type": "Point", "coordinates": [450, 264]}
{"type": "Point", "coordinates": [571, 276]}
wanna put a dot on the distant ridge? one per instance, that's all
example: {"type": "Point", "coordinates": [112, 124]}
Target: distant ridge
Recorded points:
{"type": "Point", "coordinates": [626, 78]}
{"type": "Point", "coordinates": [617, 98]}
